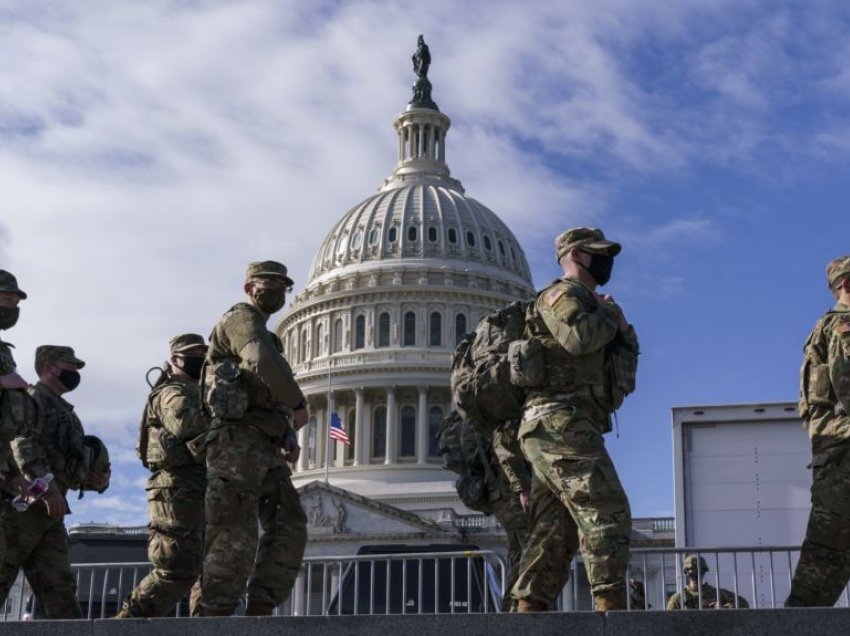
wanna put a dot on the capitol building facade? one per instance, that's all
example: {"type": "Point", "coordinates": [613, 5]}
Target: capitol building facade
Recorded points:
{"type": "Point", "coordinates": [395, 285]}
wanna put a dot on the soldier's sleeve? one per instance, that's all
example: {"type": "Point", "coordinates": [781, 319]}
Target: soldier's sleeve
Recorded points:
{"type": "Point", "coordinates": [28, 450]}
{"type": "Point", "coordinates": [253, 343]}
{"type": "Point", "coordinates": [580, 329]}
{"type": "Point", "coordinates": [509, 454]}
{"type": "Point", "coordinates": [839, 361]}
{"type": "Point", "coordinates": [180, 414]}
{"type": "Point", "coordinates": [673, 603]}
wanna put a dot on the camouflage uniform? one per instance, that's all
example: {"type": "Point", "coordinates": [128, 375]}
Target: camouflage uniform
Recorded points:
{"type": "Point", "coordinates": [15, 408]}
{"type": "Point", "coordinates": [561, 436]}
{"type": "Point", "coordinates": [824, 565]}
{"type": "Point", "coordinates": [55, 444]}
{"type": "Point", "coordinates": [247, 475]}
{"type": "Point", "coordinates": [688, 599]}
{"type": "Point", "coordinates": [173, 417]}
{"type": "Point", "coordinates": [514, 477]}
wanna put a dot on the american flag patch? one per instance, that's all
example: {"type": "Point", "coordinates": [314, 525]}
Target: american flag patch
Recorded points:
{"type": "Point", "coordinates": [553, 296]}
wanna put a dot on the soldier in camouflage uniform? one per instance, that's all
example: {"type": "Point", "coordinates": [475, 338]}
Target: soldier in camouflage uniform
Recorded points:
{"type": "Point", "coordinates": [824, 565]}
{"type": "Point", "coordinates": [55, 443]}
{"type": "Point", "coordinates": [511, 506]}
{"type": "Point", "coordinates": [561, 432]}
{"type": "Point", "coordinates": [697, 595]}
{"type": "Point", "coordinates": [14, 401]}
{"type": "Point", "coordinates": [170, 446]}
{"type": "Point", "coordinates": [247, 474]}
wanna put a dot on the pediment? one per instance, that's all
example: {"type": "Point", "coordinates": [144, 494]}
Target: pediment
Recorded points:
{"type": "Point", "coordinates": [333, 512]}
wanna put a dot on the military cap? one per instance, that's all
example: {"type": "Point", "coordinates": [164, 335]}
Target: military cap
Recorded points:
{"type": "Point", "coordinates": [267, 268]}
{"type": "Point", "coordinates": [186, 341]}
{"type": "Point", "coordinates": [836, 269]}
{"type": "Point", "coordinates": [8, 283]}
{"type": "Point", "coordinates": [586, 239]}
{"type": "Point", "coordinates": [56, 353]}
{"type": "Point", "coordinates": [691, 563]}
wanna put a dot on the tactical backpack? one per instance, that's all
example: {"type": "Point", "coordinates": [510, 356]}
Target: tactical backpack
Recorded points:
{"type": "Point", "coordinates": [465, 451]}
{"type": "Point", "coordinates": [481, 372]}
{"type": "Point", "coordinates": [619, 371]}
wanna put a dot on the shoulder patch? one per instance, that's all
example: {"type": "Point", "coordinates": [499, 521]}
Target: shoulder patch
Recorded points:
{"type": "Point", "coordinates": [552, 296]}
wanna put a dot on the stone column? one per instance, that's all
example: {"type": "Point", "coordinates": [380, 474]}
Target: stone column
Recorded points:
{"type": "Point", "coordinates": [392, 429]}
{"type": "Point", "coordinates": [303, 442]}
{"type": "Point", "coordinates": [358, 438]}
{"type": "Point", "coordinates": [422, 426]}
{"type": "Point", "coordinates": [366, 434]}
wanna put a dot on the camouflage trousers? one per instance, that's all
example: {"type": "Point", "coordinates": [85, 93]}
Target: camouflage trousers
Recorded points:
{"type": "Point", "coordinates": [576, 500]}
{"type": "Point", "coordinates": [40, 547]}
{"type": "Point", "coordinates": [824, 565]}
{"type": "Point", "coordinates": [514, 520]}
{"type": "Point", "coordinates": [175, 549]}
{"type": "Point", "coordinates": [248, 480]}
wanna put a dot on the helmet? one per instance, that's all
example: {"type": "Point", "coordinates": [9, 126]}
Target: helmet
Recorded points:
{"type": "Point", "coordinates": [98, 457]}
{"type": "Point", "coordinates": [691, 563]}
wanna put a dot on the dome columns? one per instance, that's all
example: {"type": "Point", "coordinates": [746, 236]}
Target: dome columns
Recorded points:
{"type": "Point", "coordinates": [391, 453]}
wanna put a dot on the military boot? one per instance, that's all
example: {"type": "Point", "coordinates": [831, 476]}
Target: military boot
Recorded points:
{"type": "Point", "coordinates": [258, 608]}
{"type": "Point", "coordinates": [609, 600]}
{"type": "Point", "coordinates": [525, 605]}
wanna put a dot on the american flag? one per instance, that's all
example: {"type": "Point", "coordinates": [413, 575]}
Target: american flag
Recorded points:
{"type": "Point", "coordinates": [337, 432]}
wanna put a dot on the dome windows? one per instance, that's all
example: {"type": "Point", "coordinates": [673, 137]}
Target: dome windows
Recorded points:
{"type": "Point", "coordinates": [357, 240]}
{"type": "Point", "coordinates": [452, 235]}
{"type": "Point", "coordinates": [384, 330]}
{"type": "Point", "coordinates": [360, 332]}
{"type": "Point", "coordinates": [392, 235]}
{"type": "Point", "coordinates": [460, 328]}
{"type": "Point", "coordinates": [501, 248]}
{"type": "Point", "coordinates": [470, 239]}
{"type": "Point", "coordinates": [373, 236]}
{"type": "Point", "coordinates": [408, 433]}
{"type": "Point", "coordinates": [379, 433]}
{"type": "Point", "coordinates": [432, 234]}
{"type": "Point", "coordinates": [435, 337]}
{"type": "Point", "coordinates": [409, 339]}
{"type": "Point", "coordinates": [487, 244]}
{"type": "Point", "coordinates": [411, 233]}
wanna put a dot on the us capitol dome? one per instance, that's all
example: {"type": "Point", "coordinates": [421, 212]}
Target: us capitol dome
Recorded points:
{"type": "Point", "coordinates": [395, 285]}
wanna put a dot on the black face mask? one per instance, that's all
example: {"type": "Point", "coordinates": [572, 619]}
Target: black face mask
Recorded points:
{"type": "Point", "coordinates": [600, 268]}
{"type": "Point", "coordinates": [9, 316]}
{"type": "Point", "coordinates": [191, 366]}
{"type": "Point", "coordinates": [270, 300]}
{"type": "Point", "coordinates": [70, 379]}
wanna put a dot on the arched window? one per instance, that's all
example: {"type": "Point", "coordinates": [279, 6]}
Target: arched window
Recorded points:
{"type": "Point", "coordinates": [470, 239]}
{"type": "Point", "coordinates": [411, 233]}
{"type": "Point", "coordinates": [304, 352]}
{"type": "Point", "coordinates": [351, 430]}
{"type": "Point", "coordinates": [460, 328]}
{"type": "Point", "coordinates": [357, 240]}
{"type": "Point", "coordinates": [379, 433]}
{"type": "Point", "coordinates": [435, 335]}
{"type": "Point", "coordinates": [360, 332]}
{"type": "Point", "coordinates": [337, 335]}
{"type": "Point", "coordinates": [373, 236]}
{"type": "Point", "coordinates": [312, 439]}
{"type": "Point", "coordinates": [501, 248]}
{"type": "Point", "coordinates": [409, 330]}
{"type": "Point", "coordinates": [392, 235]}
{"type": "Point", "coordinates": [408, 432]}
{"type": "Point", "coordinates": [384, 330]}
{"type": "Point", "coordinates": [487, 244]}
{"type": "Point", "coordinates": [452, 235]}
{"type": "Point", "coordinates": [320, 339]}
{"type": "Point", "coordinates": [432, 234]}
{"type": "Point", "coordinates": [435, 416]}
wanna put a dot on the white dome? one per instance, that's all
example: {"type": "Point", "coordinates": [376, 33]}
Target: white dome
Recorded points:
{"type": "Point", "coordinates": [397, 282]}
{"type": "Point", "coordinates": [421, 221]}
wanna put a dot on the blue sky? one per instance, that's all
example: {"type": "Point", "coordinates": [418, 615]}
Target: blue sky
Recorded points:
{"type": "Point", "coordinates": [148, 150]}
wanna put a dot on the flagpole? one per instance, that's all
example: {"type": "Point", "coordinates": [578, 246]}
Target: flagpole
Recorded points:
{"type": "Point", "coordinates": [328, 439]}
